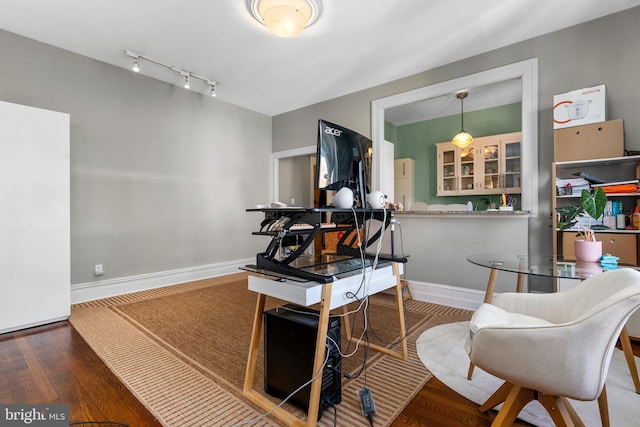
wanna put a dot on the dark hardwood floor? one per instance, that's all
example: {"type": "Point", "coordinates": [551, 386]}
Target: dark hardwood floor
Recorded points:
{"type": "Point", "coordinates": [53, 364]}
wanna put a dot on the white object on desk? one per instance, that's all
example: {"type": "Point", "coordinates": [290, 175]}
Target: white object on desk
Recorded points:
{"type": "Point", "coordinates": [343, 199]}
{"type": "Point", "coordinates": [309, 293]}
{"type": "Point", "coordinates": [376, 200]}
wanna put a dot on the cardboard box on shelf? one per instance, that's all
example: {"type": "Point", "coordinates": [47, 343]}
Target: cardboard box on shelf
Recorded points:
{"type": "Point", "coordinates": [579, 107]}
{"type": "Point", "coordinates": [593, 141]}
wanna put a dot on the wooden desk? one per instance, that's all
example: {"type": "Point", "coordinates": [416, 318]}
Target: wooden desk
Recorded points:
{"type": "Point", "coordinates": [329, 295]}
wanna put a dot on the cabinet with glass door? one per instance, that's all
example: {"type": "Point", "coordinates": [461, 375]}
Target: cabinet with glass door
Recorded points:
{"type": "Point", "coordinates": [501, 163]}
{"type": "Point", "coordinates": [448, 175]}
{"type": "Point", "coordinates": [490, 165]}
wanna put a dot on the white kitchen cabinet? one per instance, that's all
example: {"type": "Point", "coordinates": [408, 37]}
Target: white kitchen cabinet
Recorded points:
{"type": "Point", "coordinates": [404, 179]}
{"type": "Point", "coordinates": [448, 161]}
{"type": "Point", "coordinates": [490, 165]}
{"type": "Point", "coordinates": [499, 163]}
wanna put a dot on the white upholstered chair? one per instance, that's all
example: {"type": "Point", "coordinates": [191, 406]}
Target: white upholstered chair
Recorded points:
{"type": "Point", "coordinates": [553, 346]}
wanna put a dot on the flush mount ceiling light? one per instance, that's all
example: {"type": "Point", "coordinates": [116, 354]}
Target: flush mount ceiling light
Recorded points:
{"type": "Point", "coordinates": [462, 139]}
{"type": "Point", "coordinates": [285, 18]}
{"type": "Point", "coordinates": [138, 57]}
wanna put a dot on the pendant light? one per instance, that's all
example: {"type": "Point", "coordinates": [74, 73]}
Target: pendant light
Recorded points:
{"type": "Point", "coordinates": [462, 139]}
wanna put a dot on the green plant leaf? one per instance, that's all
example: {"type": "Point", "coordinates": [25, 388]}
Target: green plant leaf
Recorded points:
{"type": "Point", "coordinates": [594, 203]}
{"type": "Point", "coordinates": [568, 216]}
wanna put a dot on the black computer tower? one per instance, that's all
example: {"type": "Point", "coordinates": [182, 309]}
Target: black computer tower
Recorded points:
{"type": "Point", "coordinates": [289, 351]}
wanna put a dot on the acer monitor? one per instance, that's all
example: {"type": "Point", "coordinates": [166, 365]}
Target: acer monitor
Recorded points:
{"type": "Point", "coordinates": [343, 160]}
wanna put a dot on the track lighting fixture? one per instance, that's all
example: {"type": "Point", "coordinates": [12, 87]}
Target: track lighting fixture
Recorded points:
{"type": "Point", "coordinates": [137, 57]}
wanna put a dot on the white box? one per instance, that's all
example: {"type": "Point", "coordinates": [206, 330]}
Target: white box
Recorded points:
{"type": "Point", "coordinates": [579, 107]}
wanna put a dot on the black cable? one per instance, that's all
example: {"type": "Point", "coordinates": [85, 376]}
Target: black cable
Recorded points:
{"type": "Point", "coordinates": [399, 340]}
{"type": "Point", "coordinates": [370, 418]}
{"type": "Point", "coordinates": [330, 404]}
{"type": "Point", "coordinates": [366, 347]}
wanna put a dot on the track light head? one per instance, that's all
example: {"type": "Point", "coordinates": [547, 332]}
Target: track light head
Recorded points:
{"type": "Point", "coordinates": [136, 60]}
{"type": "Point", "coordinates": [186, 81]}
{"type": "Point", "coordinates": [212, 86]}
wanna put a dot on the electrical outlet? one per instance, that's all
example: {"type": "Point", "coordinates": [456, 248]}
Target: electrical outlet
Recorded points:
{"type": "Point", "coordinates": [99, 270]}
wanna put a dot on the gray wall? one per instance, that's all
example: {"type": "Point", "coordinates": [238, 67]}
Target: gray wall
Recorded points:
{"type": "Point", "coordinates": [603, 51]}
{"type": "Point", "coordinates": [293, 182]}
{"type": "Point", "coordinates": [160, 176]}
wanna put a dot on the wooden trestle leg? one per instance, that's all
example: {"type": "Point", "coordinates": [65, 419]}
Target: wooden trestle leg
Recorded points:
{"type": "Point", "coordinates": [316, 385]}
{"type": "Point", "coordinates": [403, 353]}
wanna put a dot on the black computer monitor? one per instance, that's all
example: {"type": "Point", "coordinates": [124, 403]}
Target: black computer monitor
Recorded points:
{"type": "Point", "coordinates": [343, 160]}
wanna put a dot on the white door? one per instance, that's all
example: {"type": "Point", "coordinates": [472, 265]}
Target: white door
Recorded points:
{"type": "Point", "coordinates": [35, 270]}
{"type": "Point", "coordinates": [387, 179]}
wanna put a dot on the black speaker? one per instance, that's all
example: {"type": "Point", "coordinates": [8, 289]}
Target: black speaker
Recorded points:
{"type": "Point", "coordinates": [289, 351]}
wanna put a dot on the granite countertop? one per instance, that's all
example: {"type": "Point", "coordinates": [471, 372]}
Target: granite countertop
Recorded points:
{"type": "Point", "coordinates": [484, 213]}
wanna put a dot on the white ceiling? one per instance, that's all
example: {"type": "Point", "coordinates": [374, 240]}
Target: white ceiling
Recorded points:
{"type": "Point", "coordinates": [356, 44]}
{"type": "Point", "coordinates": [478, 98]}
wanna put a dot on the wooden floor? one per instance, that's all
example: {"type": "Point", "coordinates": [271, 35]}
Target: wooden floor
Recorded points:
{"type": "Point", "coordinates": [53, 364]}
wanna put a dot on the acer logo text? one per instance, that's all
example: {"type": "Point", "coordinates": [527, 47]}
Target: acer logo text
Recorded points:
{"type": "Point", "coordinates": [333, 131]}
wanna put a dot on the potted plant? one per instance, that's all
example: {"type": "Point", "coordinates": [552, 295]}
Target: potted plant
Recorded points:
{"type": "Point", "coordinates": [587, 248]}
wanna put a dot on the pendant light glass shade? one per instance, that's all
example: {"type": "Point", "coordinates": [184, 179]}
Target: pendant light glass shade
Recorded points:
{"type": "Point", "coordinates": [285, 18]}
{"type": "Point", "coordinates": [462, 139]}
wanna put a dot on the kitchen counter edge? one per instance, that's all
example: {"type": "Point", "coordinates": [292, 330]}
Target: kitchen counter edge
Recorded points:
{"type": "Point", "coordinates": [465, 214]}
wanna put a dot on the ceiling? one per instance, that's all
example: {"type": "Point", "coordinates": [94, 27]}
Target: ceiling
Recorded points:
{"type": "Point", "coordinates": [356, 44]}
{"type": "Point", "coordinates": [478, 98]}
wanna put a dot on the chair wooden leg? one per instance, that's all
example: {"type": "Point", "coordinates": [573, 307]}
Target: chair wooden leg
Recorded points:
{"type": "Point", "coordinates": [516, 400]}
{"type": "Point", "coordinates": [572, 412]}
{"type": "Point", "coordinates": [470, 371]}
{"type": "Point", "coordinates": [498, 396]}
{"type": "Point", "coordinates": [625, 342]}
{"type": "Point", "coordinates": [560, 410]}
{"type": "Point", "coordinates": [604, 407]}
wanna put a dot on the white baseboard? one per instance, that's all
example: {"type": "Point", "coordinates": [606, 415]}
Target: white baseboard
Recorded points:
{"type": "Point", "coordinates": [452, 296]}
{"type": "Point", "coordinates": [83, 292]}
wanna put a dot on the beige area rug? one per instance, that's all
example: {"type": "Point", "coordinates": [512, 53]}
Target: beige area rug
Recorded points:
{"type": "Point", "coordinates": [182, 350]}
{"type": "Point", "coordinates": [441, 349]}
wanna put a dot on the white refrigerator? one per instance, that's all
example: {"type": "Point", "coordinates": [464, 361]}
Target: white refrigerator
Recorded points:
{"type": "Point", "coordinates": [35, 270]}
